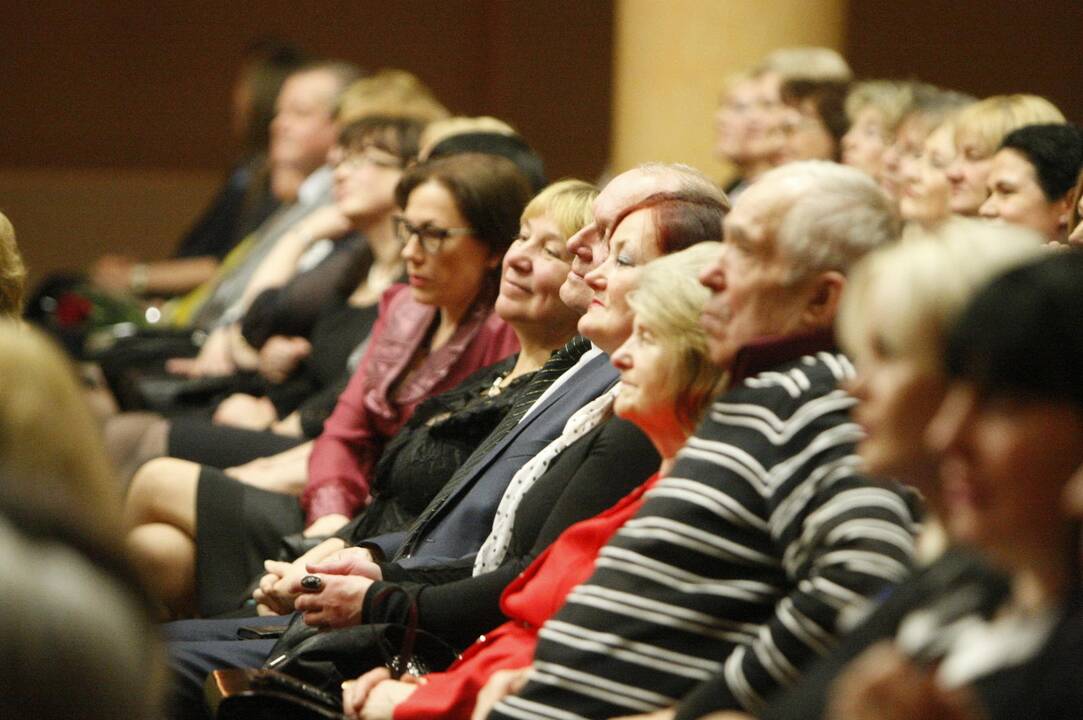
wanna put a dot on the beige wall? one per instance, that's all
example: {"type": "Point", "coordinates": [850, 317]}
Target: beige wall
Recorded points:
{"type": "Point", "coordinates": [64, 219]}
{"type": "Point", "coordinates": [671, 57]}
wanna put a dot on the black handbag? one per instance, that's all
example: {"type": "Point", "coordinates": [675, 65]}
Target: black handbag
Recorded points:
{"type": "Point", "coordinates": [302, 678]}
{"type": "Point", "coordinates": [326, 658]}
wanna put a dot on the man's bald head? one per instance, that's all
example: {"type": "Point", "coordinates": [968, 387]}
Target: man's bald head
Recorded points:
{"type": "Point", "coordinates": [590, 246]}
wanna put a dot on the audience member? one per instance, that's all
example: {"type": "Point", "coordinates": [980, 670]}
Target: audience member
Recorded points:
{"type": "Point", "coordinates": [737, 123]}
{"type": "Point", "coordinates": [459, 214]}
{"type": "Point", "coordinates": [987, 649]}
{"type": "Point", "coordinates": [666, 382]}
{"type": "Point", "coordinates": [874, 108]}
{"type": "Point", "coordinates": [241, 205]}
{"type": "Point", "coordinates": [1032, 177]}
{"type": "Point", "coordinates": [776, 286]}
{"type": "Point", "coordinates": [76, 631]}
{"type": "Point", "coordinates": [924, 193]}
{"type": "Point", "coordinates": [979, 130]}
{"type": "Point", "coordinates": [813, 120]}
{"type": "Point", "coordinates": [930, 107]}
{"type": "Point", "coordinates": [899, 308]}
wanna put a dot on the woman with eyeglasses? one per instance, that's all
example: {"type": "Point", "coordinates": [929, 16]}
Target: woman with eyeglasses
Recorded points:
{"type": "Point", "coordinates": [458, 216]}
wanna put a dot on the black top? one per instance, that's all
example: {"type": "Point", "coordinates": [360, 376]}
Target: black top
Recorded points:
{"type": "Point", "coordinates": [588, 477]}
{"type": "Point", "coordinates": [294, 308]}
{"type": "Point", "coordinates": [314, 387]}
{"type": "Point", "coordinates": [419, 459]}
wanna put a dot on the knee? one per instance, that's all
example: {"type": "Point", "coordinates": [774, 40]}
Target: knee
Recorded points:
{"type": "Point", "coordinates": [156, 547]}
{"type": "Point", "coordinates": [152, 489]}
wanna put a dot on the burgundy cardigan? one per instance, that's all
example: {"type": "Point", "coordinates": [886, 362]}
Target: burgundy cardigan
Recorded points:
{"type": "Point", "coordinates": [368, 414]}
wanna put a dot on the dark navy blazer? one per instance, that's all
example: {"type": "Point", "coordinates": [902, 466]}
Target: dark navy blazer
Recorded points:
{"type": "Point", "coordinates": [457, 521]}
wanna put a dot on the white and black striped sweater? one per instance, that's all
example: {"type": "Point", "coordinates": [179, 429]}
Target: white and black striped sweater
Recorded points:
{"type": "Point", "coordinates": [733, 574]}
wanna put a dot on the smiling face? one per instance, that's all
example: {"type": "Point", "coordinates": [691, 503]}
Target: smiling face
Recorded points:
{"type": "Point", "coordinates": [1016, 197]}
{"type": "Point", "coordinates": [751, 294]}
{"type": "Point", "coordinates": [864, 143]}
{"type": "Point", "coordinates": [451, 277]}
{"type": "Point", "coordinates": [1006, 464]}
{"type": "Point", "coordinates": [925, 192]}
{"type": "Point", "coordinates": [968, 173]}
{"type": "Point", "coordinates": [535, 267]}
{"type": "Point", "coordinates": [608, 320]}
{"type": "Point", "coordinates": [590, 246]}
{"type": "Point", "coordinates": [649, 388]}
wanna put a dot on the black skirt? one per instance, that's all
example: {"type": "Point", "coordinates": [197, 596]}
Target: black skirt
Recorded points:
{"type": "Point", "coordinates": [199, 440]}
{"type": "Point", "coordinates": [238, 526]}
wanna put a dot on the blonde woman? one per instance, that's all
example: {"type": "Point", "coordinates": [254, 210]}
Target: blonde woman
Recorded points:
{"type": "Point", "coordinates": [979, 130]}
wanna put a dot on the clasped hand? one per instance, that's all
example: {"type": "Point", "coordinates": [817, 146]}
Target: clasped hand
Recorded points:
{"type": "Point", "coordinates": [345, 579]}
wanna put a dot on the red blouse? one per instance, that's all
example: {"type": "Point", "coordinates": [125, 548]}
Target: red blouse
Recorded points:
{"type": "Point", "coordinates": [530, 600]}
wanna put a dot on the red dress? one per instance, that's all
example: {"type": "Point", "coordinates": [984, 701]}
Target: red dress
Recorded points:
{"type": "Point", "coordinates": [530, 600]}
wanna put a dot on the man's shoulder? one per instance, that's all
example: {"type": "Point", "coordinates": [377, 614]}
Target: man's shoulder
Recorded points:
{"type": "Point", "coordinates": [795, 388]}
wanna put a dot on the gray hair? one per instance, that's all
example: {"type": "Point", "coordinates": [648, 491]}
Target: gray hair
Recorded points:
{"type": "Point", "coordinates": [834, 215]}
{"type": "Point", "coordinates": [689, 181]}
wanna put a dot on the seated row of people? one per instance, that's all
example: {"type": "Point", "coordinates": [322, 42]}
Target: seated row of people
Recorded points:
{"type": "Point", "coordinates": [633, 556]}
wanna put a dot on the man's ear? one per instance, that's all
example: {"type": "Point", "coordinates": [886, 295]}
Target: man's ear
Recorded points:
{"type": "Point", "coordinates": [1064, 210]}
{"type": "Point", "coordinates": [822, 300]}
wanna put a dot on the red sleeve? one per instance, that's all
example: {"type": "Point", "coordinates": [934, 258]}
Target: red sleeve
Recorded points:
{"type": "Point", "coordinates": [345, 453]}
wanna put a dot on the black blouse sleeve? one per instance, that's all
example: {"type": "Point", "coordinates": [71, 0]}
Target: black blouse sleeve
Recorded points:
{"type": "Point", "coordinates": [293, 308]}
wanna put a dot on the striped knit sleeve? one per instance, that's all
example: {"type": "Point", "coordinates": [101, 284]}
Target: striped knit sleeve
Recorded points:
{"type": "Point", "coordinates": [733, 574]}
{"type": "Point", "coordinates": [842, 538]}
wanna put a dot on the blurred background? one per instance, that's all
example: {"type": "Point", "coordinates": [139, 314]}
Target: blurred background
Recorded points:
{"type": "Point", "coordinates": [116, 115]}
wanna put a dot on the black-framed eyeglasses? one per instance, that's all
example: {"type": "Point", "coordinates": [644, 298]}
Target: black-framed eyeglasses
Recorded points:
{"type": "Point", "coordinates": [431, 237]}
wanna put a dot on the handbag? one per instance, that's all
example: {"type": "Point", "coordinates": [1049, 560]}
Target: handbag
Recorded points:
{"type": "Point", "coordinates": [303, 676]}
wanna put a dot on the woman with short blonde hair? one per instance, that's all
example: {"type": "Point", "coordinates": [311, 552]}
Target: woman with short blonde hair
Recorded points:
{"type": "Point", "coordinates": [979, 130]}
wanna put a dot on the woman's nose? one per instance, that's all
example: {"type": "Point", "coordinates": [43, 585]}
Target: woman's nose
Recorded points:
{"type": "Point", "coordinates": [412, 249]}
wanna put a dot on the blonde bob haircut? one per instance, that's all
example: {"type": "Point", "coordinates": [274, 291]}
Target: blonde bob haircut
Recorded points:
{"type": "Point", "coordinates": [12, 273]}
{"type": "Point", "coordinates": [669, 299]}
{"type": "Point", "coordinates": [984, 124]}
{"type": "Point", "coordinates": [912, 291]}
{"type": "Point", "coordinates": [570, 203]}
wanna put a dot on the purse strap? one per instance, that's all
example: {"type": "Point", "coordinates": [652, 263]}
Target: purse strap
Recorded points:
{"type": "Point", "coordinates": [400, 663]}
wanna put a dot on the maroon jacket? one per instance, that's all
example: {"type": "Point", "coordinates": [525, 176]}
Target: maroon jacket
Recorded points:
{"type": "Point", "coordinates": [368, 414]}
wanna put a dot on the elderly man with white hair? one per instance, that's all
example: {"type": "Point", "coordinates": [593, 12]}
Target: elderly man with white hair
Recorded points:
{"type": "Point", "coordinates": [736, 570]}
